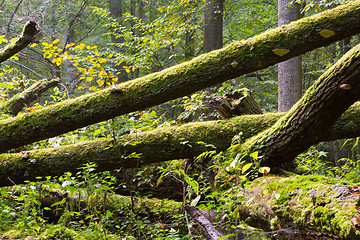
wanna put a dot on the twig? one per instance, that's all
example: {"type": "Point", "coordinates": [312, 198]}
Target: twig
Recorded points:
{"type": "Point", "coordinates": [12, 17]}
{"type": "Point", "coordinates": [29, 69]}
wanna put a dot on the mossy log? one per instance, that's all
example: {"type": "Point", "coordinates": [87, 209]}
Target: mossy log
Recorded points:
{"type": "Point", "coordinates": [15, 104]}
{"type": "Point", "coordinates": [163, 144]}
{"type": "Point", "coordinates": [312, 117]}
{"type": "Point", "coordinates": [236, 59]}
{"type": "Point", "coordinates": [27, 36]}
{"type": "Point", "coordinates": [327, 205]}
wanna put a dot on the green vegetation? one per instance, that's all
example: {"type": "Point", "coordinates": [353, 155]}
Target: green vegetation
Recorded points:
{"type": "Point", "coordinates": [90, 49]}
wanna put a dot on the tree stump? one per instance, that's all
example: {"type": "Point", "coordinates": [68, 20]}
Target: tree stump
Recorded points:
{"type": "Point", "coordinates": [236, 103]}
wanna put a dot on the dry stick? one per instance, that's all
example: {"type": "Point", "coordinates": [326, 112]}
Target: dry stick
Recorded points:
{"type": "Point", "coordinates": [29, 69]}
{"type": "Point", "coordinates": [12, 17]}
{"type": "Point", "coordinates": [206, 70]}
{"type": "Point", "coordinates": [209, 231]}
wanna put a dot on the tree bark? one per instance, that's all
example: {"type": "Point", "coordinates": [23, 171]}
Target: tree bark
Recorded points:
{"type": "Point", "coordinates": [316, 203]}
{"type": "Point", "coordinates": [312, 118]}
{"type": "Point", "coordinates": [27, 36]}
{"type": "Point", "coordinates": [14, 105]}
{"type": "Point", "coordinates": [235, 103]}
{"type": "Point", "coordinates": [290, 71]}
{"type": "Point", "coordinates": [206, 70]}
{"type": "Point", "coordinates": [213, 32]}
{"type": "Point", "coordinates": [116, 11]}
{"type": "Point", "coordinates": [163, 144]}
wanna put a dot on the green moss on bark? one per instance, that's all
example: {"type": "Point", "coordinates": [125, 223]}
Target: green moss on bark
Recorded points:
{"type": "Point", "coordinates": [312, 117]}
{"type": "Point", "coordinates": [317, 201]}
{"type": "Point", "coordinates": [201, 72]}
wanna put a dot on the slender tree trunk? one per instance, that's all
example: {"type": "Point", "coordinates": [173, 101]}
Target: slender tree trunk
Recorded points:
{"type": "Point", "coordinates": [116, 11]}
{"type": "Point", "coordinates": [213, 25]}
{"type": "Point", "coordinates": [189, 51]}
{"type": "Point", "coordinates": [290, 71]}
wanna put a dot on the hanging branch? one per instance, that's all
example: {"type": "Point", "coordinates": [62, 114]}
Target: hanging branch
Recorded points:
{"type": "Point", "coordinates": [27, 36]}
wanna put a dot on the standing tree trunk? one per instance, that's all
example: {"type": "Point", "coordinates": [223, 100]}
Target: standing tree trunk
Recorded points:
{"type": "Point", "coordinates": [213, 25]}
{"type": "Point", "coordinates": [289, 72]}
{"type": "Point", "coordinates": [115, 7]}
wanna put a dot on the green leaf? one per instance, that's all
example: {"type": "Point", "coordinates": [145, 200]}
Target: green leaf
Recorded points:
{"type": "Point", "coordinates": [246, 167]}
{"type": "Point", "coordinates": [254, 155]}
{"type": "Point", "coordinates": [195, 201]}
{"type": "Point", "coordinates": [59, 202]}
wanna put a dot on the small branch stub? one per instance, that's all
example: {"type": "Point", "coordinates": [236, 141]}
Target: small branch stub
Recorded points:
{"type": "Point", "coordinates": [345, 86]}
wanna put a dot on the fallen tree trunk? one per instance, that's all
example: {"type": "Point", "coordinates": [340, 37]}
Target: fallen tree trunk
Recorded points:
{"type": "Point", "coordinates": [163, 144]}
{"type": "Point", "coordinates": [319, 202]}
{"type": "Point", "coordinates": [15, 104]}
{"type": "Point", "coordinates": [236, 59]}
{"type": "Point", "coordinates": [312, 117]}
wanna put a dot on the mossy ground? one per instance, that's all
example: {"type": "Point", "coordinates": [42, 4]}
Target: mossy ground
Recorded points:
{"type": "Point", "coordinates": [322, 202]}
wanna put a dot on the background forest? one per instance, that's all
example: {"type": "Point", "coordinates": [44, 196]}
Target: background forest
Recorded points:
{"type": "Point", "coordinates": [90, 45]}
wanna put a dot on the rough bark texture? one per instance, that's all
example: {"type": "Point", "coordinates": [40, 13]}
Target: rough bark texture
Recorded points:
{"type": "Point", "coordinates": [236, 103]}
{"type": "Point", "coordinates": [25, 39]}
{"type": "Point", "coordinates": [290, 71]}
{"type": "Point", "coordinates": [320, 207]}
{"type": "Point", "coordinates": [14, 105]}
{"type": "Point", "coordinates": [312, 118]}
{"type": "Point", "coordinates": [206, 70]}
{"type": "Point", "coordinates": [208, 229]}
{"type": "Point", "coordinates": [213, 25]}
{"type": "Point", "coordinates": [116, 11]}
{"type": "Point", "coordinates": [159, 145]}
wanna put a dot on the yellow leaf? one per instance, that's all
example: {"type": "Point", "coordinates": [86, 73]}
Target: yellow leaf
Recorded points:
{"type": "Point", "coordinates": [33, 45]}
{"type": "Point", "coordinates": [93, 88]}
{"type": "Point", "coordinates": [100, 82]}
{"type": "Point", "coordinates": [47, 55]}
{"type": "Point", "coordinates": [281, 51]}
{"type": "Point", "coordinates": [102, 60]}
{"type": "Point", "coordinates": [14, 58]}
{"type": "Point", "coordinates": [327, 33]}
{"type": "Point", "coordinates": [80, 46]}
{"type": "Point", "coordinates": [2, 39]}
{"type": "Point", "coordinates": [55, 41]}
{"type": "Point", "coordinates": [69, 45]}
